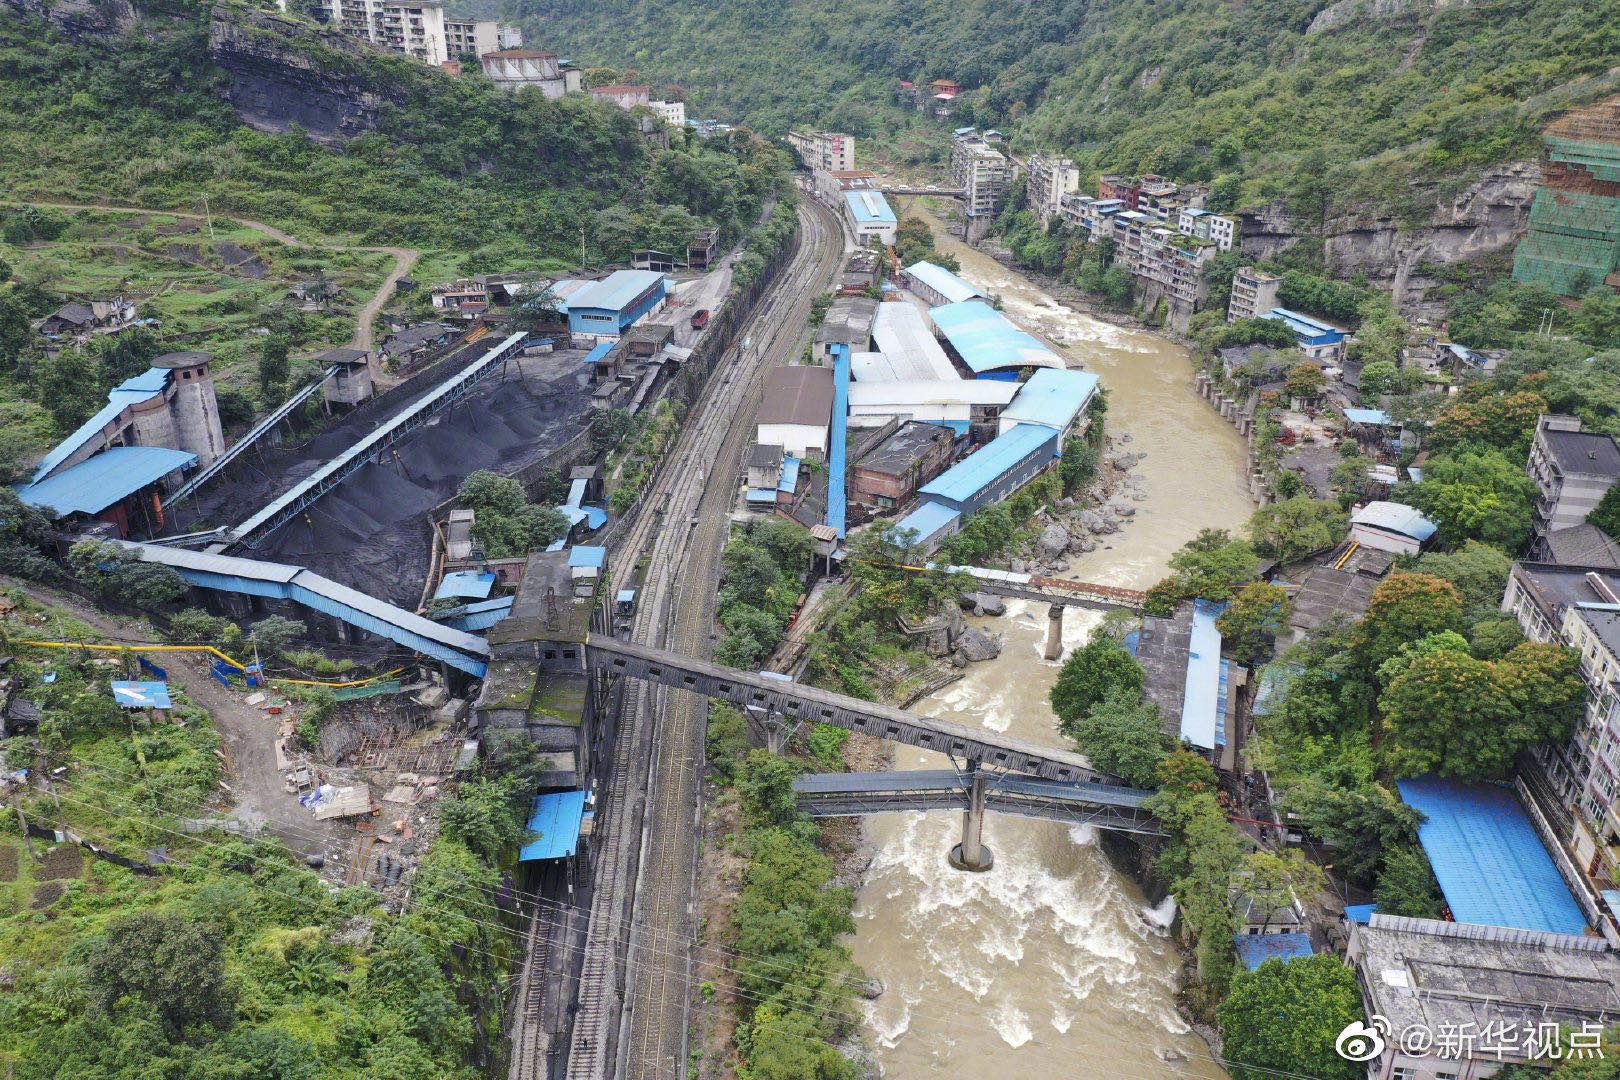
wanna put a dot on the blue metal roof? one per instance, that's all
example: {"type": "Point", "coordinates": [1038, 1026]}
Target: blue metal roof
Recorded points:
{"type": "Point", "coordinates": [474, 618]}
{"type": "Point", "coordinates": [143, 694]}
{"type": "Point", "coordinates": [1256, 949]}
{"type": "Point", "coordinates": [1367, 416]}
{"type": "Point", "coordinates": [978, 470]}
{"type": "Point", "coordinates": [1360, 913]}
{"type": "Point", "coordinates": [1489, 861]}
{"type": "Point", "coordinates": [594, 518]}
{"type": "Point", "coordinates": [869, 207]}
{"type": "Point", "coordinates": [1396, 518]}
{"type": "Point", "coordinates": [1052, 397]}
{"type": "Point", "coordinates": [1309, 331]}
{"type": "Point", "coordinates": [615, 292]}
{"type": "Point", "coordinates": [1203, 703]}
{"type": "Point", "coordinates": [838, 439]}
{"type": "Point", "coordinates": [790, 474]}
{"type": "Point", "coordinates": [928, 519]}
{"type": "Point", "coordinates": [600, 351]}
{"type": "Point", "coordinates": [761, 495]}
{"type": "Point", "coordinates": [466, 584]}
{"type": "Point", "coordinates": [942, 281]}
{"type": "Point", "coordinates": [584, 555]}
{"type": "Point", "coordinates": [554, 822]}
{"type": "Point", "coordinates": [986, 340]}
{"type": "Point", "coordinates": [101, 480]}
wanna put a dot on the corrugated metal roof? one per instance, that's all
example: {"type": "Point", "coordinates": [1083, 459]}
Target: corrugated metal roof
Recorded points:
{"type": "Point", "coordinates": [909, 351]}
{"type": "Point", "coordinates": [118, 400]}
{"type": "Point", "coordinates": [928, 519]}
{"type": "Point", "coordinates": [1489, 861]}
{"type": "Point", "coordinates": [466, 584]}
{"type": "Point", "coordinates": [790, 474]}
{"type": "Point", "coordinates": [1202, 699]}
{"type": "Point", "coordinates": [1313, 331]}
{"type": "Point", "coordinates": [1396, 518]}
{"type": "Point", "coordinates": [615, 292]}
{"type": "Point", "coordinates": [869, 207]}
{"type": "Point", "coordinates": [101, 480]}
{"type": "Point", "coordinates": [986, 340]}
{"type": "Point", "coordinates": [599, 352]}
{"type": "Point", "coordinates": [942, 281]}
{"type": "Point", "coordinates": [1052, 397]}
{"type": "Point", "coordinates": [960, 392]}
{"type": "Point", "coordinates": [554, 821]}
{"type": "Point", "coordinates": [1377, 417]}
{"type": "Point", "coordinates": [1256, 949]}
{"type": "Point", "coordinates": [587, 556]}
{"type": "Point", "coordinates": [978, 470]}
{"type": "Point", "coordinates": [838, 442]}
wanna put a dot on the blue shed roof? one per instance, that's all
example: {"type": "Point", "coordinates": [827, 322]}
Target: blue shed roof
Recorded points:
{"type": "Point", "coordinates": [986, 340]}
{"type": "Point", "coordinates": [554, 822]}
{"type": "Point", "coordinates": [596, 354]}
{"type": "Point", "coordinates": [790, 474]}
{"type": "Point", "coordinates": [869, 207]}
{"type": "Point", "coordinates": [942, 281]}
{"type": "Point", "coordinates": [102, 479]}
{"type": "Point", "coordinates": [838, 441]}
{"type": "Point", "coordinates": [1256, 949]}
{"type": "Point", "coordinates": [143, 694]}
{"type": "Point", "coordinates": [615, 292]}
{"type": "Point", "coordinates": [1309, 331]}
{"type": "Point", "coordinates": [1360, 913]}
{"type": "Point", "coordinates": [586, 555]}
{"type": "Point", "coordinates": [466, 584]}
{"type": "Point", "coordinates": [1053, 397]}
{"type": "Point", "coordinates": [928, 519]}
{"type": "Point", "coordinates": [131, 391]}
{"type": "Point", "coordinates": [1489, 861]}
{"type": "Point", "coordinates": [978, 470]}
{"type": "Point", "coordinates": [1367, 416]}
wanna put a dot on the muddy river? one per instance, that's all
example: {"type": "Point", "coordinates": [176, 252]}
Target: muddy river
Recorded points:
{"type": "Point", "coordinates": [1053, 964]}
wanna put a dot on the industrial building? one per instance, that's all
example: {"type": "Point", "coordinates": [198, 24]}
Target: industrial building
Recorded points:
{"type": "Point", "coordinates": [514, 69]}
{"type": "Point", "coordinates": [891, 473]}
{"type": "Point", "coordinates": [1194, 687]}
{"type": "Point", "coordinates": [623, 95]}
{"type": "Point", "coordinates": [1573, 470]}
{"type": "Point", "coordinates": [161, 421]}
{"type": "Point", "coordinates": [1390, 526]}
{"type": "Point", "coordinates": [824, 151]}
{"type": "Point", "coordinates": [936, 286]}
{"type": "Point", "coordinates": [960, 405]}
{"type": "Point", "coordinates": [1055, 398]}
{"type": "Point", "coordinates": [870, 217]}
{"type": "Point", "coordinates": [796, 410]}
{"type": "Point", "coordinates": [987, 476]}
{"type": "Point", "coordinates": [1573, 245]}
{"type": "Point", "coordinates": [1254, 293]}
{"type": "Point", "coordinates": [849, 322]}
{"type": "Point", "coordinates": [1426, 975]}
{"type": "Point", "coordinates": [1319, 341]}
{"type": "Point", "coordinates": [988, 344]}
{"type": "Point", "coordinates": [607, 308]}
{"type": "Point", "coordinates": [907, 350]}
{"type": "Point", "coordinates": [355, 380]}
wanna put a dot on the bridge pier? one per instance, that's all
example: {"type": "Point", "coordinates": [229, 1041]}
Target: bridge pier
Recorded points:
{"type": "Point", "coordinates": [1054, 632]}
{"type": "Point", "coordinates": [971, 855]}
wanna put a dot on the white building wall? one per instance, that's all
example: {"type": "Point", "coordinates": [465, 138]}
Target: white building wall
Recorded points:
{"type": "Point", "coordinates": [798, 440]}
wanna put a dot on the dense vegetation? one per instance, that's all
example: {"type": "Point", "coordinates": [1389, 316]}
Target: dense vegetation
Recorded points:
{"type": "Point", "coordinates": [1249, 98]}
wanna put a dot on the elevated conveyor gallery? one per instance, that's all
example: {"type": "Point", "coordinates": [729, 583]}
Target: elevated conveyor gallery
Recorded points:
{"type": "Point", "coordinates": [280, 581]}
{"type": "Point", "coordinates": [1102, 806]}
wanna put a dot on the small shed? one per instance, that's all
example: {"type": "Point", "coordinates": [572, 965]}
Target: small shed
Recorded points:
{"type": "Point", "coordinates": [142, 694]}
{"type": "Point", "coordinates": [1256, 949]}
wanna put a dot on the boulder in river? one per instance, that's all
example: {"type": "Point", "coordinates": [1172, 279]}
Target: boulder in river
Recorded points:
{"type": "Point", "coordinates": [976, 644]}
{"type": "Point", "coordinates": [1054, 541]}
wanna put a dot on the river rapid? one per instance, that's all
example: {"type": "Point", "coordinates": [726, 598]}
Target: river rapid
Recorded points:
{"type": "Point", "coordinates": [1052, 964]}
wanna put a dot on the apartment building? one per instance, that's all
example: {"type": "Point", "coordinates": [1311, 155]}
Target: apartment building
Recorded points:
{"type": "Point", "coordinates": [1220, 230]}
{"type": "Point", "coordinates": [824, 151]}
{"type": "Point", "coordinates": [981, 171]}
{"type": "Point", "coordinates": [513, 69]}
{"type": "Point", "coordinates": [420, 29]}
{"type": "Point", "coordinates": [1047, 182]}
{"type": "Point", "coordinates": [672, 113]}
{"type": "Point", "coordinates": [1573, 469]}
{"type": "Point", "coordinates": [1253, 294]}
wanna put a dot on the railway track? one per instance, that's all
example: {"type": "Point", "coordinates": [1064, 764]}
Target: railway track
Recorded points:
{"type": "Point", "coordinates": [649, 817]}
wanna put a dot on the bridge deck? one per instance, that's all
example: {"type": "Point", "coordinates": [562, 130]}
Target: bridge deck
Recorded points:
{"type": "Point", "coordinates": [854, 794]}
{"type": "Point", "coordinates": [811, 704]}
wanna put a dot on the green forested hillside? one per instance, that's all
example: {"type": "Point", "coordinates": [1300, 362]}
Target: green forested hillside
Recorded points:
{"type": "Point", "coordinates": [1239, 93]}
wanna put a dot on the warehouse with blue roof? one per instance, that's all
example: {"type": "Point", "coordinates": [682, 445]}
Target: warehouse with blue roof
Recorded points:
{"type": "Point", "coordinates": [607, 308]}
{"type": "Point", "coordinates": [869, 216]}
{"type": "Point", "coordinates": [1318, 340]}
{"type": "Point", "coordinates": [988, 344]}
{"type": "Point", "coordinates": [1055, 397]}
{"type": "Point", "coordinates": [935, 285]}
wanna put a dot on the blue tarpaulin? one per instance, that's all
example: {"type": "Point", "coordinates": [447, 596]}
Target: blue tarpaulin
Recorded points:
{"type": "Point", "coordinates": [1489, 861]}
{"type": "Point", "coordinates": [466, 585]}
{"type": "Point", "coordinates": [1360, 913]}
{"type": "Point", "coordinates": [554, 825]}
{"type": "Point", "coordinates": [1256, 949]}
{"type": "Point", "coordinates": [144, 694]}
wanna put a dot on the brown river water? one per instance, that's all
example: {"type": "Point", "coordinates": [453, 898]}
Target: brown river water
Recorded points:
{"type": "Point", "coordinates": [1052, 964]}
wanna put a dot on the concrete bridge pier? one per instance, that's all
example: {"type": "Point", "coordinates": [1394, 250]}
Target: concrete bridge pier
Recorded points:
{"type": "Point", "coordinates": [971, 855]}
{"type": "Point", "coordinates": [1054, 632]}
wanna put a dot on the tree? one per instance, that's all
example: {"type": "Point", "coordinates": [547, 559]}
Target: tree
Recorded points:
{"type": "Point", "coordinates": [1253, 620]}
{"type": "Point", "coordinates": [1380, 377]}
{"type": "Point", "coordinates": [1503, 420]}
{"type": "Point", "coordinates": [1211, 566]}
{"type": "Point", "coordinates": [69, 387]}
{"type": "Point", "coordinates": [172, 966]}
{"type": "Point", "coordinates": [765, 785]}
{"type": "Point", "coordinates": [277, 633]}
{"type": "Point", "coordinates": [27, 539]}
{"type": "Point", "coordinates": [1360, 823]}
{"type": "Point", "coordinates": [1099, 670]}
{"type": "Point", "coordinates": [1478, 570]}
{"type": "Point", "coordinates": [25, 431]}
{"type": "Point", "coordinates": [274, 367]}
{"type": "Point", "coordinates": [1406, 885]}
{"type": "Point", "coordinates": [485, 815]}
{"type": "Point", "coordinates": [1294, 528]}
{"type": "Point", "coordinates": [1306, 381]}
{"type": "Point", "coordinates": [116, 574]}
{"type": "Point", "coordinates": [1480, 495]}
{"type": "Point", "coordinates": [1275, 880]}
{"type": "Point", "coordinates": [1285, 1016]}
{"type": "Point", "coordinates": [1404, 607]}
{"type": "Point", "coordinates": [1122, 736]}
{"type": "Point", "coordinates": [1606, 514]}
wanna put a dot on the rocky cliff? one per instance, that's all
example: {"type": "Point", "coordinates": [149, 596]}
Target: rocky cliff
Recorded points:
{"type": "Point", "coordinates": [284, 73]}
{"type": "Point", "coordinates": [1488, 215]}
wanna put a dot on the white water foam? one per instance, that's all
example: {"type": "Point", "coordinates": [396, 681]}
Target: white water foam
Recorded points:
{"type": "Point", "coordinates": [1161, 914]}
{"type": "Point", "coordinates": [1012, 1025]}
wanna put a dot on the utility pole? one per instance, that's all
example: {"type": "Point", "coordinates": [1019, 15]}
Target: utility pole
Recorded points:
{"type": "Point", "coordinates": [582, 259]}
{"type": "Point", "coordinates": [209, 215]}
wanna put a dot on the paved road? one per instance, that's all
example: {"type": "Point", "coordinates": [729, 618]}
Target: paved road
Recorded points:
{"type": "Point", "coordinates": [404, 258]}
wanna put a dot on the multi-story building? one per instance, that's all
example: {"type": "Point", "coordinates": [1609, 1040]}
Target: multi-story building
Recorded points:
{"type": "Point", "coordinates": [1573, 469]}
{"type": "Point", "coordinates": [1253, 294]}
{"type": "Point", "coordinates": [1122, 188]}
{"type": "Point", "coordinates": [513, 69]}
{"type": "Point", "coordinates": [672, 113]}
{"type": "Point", "coordinates": [1193, 221]}
{"type": "Point", "coordinates": [982, 172]}
{"type": "Point", "coordinates": [472, 38]}
{"type": "Point", "coordinates": [624, 96]}
{"type": "Point", "coordinates": [1048, 181]}
{"type": "Point", "coordinates": [419, 29]}
{"type": "Point", "coordinates": [824, 151]}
